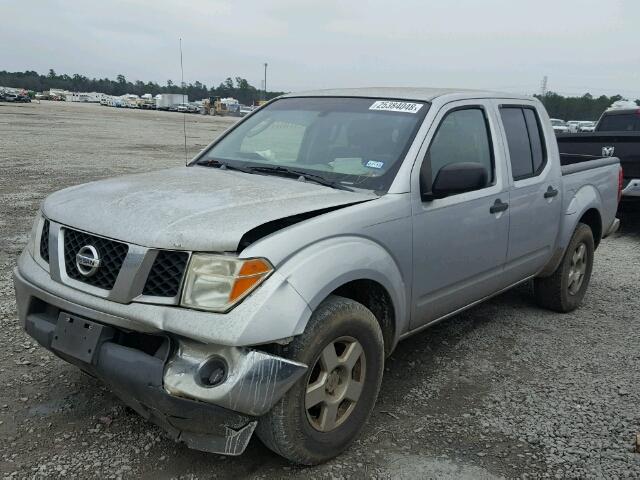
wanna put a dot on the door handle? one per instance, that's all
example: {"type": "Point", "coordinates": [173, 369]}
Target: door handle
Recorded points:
{"type": "Point", "coordinates": [551, 192]}
{"type": "Point", "coordinates": [498, 206]}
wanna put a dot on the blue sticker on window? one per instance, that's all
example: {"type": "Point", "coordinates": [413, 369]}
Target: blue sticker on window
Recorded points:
{"type": "Point", "coordinates": [374, 164]}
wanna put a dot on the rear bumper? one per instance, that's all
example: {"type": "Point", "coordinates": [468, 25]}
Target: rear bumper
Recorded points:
{"type": "Point", "coordinates": [632, 189]}
{"type": "Point", "coordinates": [158, 375]}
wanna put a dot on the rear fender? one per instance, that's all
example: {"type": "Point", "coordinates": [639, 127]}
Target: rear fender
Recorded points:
{"type": "Point", "coordinates": [586, 198]}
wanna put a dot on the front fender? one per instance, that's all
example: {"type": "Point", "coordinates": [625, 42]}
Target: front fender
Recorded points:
{"type": "Point", "coordinates": [316, 271]}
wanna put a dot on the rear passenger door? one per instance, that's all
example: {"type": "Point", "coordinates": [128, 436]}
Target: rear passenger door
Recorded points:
{"type": "Point", "coordinates": [535, 196]}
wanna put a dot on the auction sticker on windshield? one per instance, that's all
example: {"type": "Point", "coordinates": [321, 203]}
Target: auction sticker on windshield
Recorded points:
{"type": "Point", "coordinates": [389, 106]}
{"type": "Point", "coordinates": [374, 164]}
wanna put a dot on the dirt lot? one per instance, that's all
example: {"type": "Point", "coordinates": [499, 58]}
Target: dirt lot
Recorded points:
{"type": "Point", "coordinates": [505, 390]}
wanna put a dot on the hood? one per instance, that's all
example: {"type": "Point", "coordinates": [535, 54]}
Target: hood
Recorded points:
{"type": "Point", "coordinates": [188, 208]}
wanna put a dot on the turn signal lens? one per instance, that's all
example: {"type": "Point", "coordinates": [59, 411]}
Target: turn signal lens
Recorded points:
{"type": "Point", "coordinates": [217, 283]}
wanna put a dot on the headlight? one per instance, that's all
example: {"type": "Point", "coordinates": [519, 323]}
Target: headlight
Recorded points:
{"type": "Point", "coordinates": [217, 283]}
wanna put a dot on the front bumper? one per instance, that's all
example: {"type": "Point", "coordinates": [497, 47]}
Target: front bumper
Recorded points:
{"type": "Point", "coordinates": [157, 374]}
{"type": "Point", "coordinates": [632, 189]}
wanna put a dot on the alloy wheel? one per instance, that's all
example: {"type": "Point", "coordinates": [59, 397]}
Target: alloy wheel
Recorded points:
{"type": "Point", "coordinates": [577, 269]}
{"type": "Point", "coordinates": [335, 384]}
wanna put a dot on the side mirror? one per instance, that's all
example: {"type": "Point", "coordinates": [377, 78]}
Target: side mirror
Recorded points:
{"type": "Point", "coordinates": [457, 178]}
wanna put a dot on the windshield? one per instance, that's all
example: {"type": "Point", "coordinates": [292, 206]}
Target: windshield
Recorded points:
{"type": "Point", "coordinates": [557, 123]}
{"type": "Point", "coordinates": [356, 142]}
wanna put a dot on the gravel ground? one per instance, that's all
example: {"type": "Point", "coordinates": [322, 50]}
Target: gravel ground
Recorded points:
{"type": "Point", "coordinates": [505, 390]}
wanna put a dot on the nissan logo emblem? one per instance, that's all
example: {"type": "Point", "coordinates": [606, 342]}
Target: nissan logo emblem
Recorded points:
{"type": "Point", "coordinates": [87, 260]}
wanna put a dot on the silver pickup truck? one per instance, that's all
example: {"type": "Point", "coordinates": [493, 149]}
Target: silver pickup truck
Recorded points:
{"type": "Point", "coordinates": [261, 287]}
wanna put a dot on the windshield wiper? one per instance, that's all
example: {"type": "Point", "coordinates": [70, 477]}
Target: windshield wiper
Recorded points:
{"type": "Point", "coordinates": [304, 175]}
{"type": "Point", "coordinates": [212, 162]}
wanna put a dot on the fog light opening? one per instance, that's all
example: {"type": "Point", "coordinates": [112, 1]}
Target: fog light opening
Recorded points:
{"type": "Point", "coordinates": [212, 372]}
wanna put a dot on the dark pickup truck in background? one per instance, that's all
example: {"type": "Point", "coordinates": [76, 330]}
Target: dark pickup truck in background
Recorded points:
{"type": "Point", "coordinates": [617, 134]}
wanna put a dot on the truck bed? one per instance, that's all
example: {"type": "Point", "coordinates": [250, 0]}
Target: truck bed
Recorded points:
{"type": "Point", "coordinates": [589, 175]}
{"type": "Point", "coordinates": [571, 163]}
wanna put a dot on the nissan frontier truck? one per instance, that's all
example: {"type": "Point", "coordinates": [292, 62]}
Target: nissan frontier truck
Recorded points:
{"type": "Point", "coordinates": [260, 288]}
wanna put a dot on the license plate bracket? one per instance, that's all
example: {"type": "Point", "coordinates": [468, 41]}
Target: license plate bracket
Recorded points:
{"type": "Point", "coordinates": [78, 337]}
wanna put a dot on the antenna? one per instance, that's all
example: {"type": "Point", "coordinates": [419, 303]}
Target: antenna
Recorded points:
{"type": "Point", "coordinates": [543, 86]}
{"type": "Point", "coordinates": [184, 114]}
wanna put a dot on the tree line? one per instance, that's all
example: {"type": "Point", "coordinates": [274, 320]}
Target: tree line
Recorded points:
{"type": "Point", "coordinates": [237, 87]}
{"type": "Point", "coordinates": [586, 107]}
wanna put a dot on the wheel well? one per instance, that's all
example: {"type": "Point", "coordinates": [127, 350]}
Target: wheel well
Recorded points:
{"type": "Point", "coordinates": [375, 297]}
{"type": "Point", "coordinates": [592, 218]}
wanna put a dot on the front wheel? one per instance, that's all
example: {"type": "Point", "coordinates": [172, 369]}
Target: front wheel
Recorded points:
{"type": "Point", "coordinates": [325, 411]}
{"type": "Point", "coordinates": [564, 290]}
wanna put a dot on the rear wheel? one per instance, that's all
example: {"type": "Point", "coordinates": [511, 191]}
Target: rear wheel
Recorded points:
{"type": "Point", "coordinates": [324, 412]}
{"type": "Point", "coordinates": [564, 290]}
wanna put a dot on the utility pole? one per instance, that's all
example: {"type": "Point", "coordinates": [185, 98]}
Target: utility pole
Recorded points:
{"type": "Point", "coordinates": [543, 86]}
{"type": "Point", "coordinates": [265, 81]}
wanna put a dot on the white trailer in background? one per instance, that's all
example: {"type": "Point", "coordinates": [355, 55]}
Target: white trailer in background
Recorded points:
{"type": "Point", "coordinates": [166, 101]}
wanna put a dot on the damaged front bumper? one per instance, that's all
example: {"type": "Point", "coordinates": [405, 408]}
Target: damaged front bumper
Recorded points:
{"type": "Point", "coordinates": [166, 379]}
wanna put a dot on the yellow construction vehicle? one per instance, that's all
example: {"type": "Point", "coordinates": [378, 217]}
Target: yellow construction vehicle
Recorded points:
{"type": "Point", "coordinates": [218, 108]}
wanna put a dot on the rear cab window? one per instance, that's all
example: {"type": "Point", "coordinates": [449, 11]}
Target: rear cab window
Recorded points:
{"type": "Point", "coordinates": [620, 122]}
{"type": "Point", "coordinates": [523, 130]}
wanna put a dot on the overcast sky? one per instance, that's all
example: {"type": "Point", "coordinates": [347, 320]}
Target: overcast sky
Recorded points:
{"type": "Point", "coordinates": [581, 45]}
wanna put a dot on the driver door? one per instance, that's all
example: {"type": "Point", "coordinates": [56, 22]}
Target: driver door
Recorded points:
{"type": "Point", "coordinates": [460, 241]}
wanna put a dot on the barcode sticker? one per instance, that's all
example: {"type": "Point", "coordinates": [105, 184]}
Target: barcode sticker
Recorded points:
{"type": "Point", "coordinates": [374, 164]}
{"type": "Point", "coordinates": [390, 106]}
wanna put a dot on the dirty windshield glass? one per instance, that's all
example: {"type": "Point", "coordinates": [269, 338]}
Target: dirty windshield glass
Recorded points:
{"type": "Point", "coordinates": [354, 142]}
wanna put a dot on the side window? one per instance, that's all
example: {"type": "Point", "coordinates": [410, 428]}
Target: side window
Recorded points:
{"type": "Point", "coordinates": [525, 140]}
{"type": "Point", "coordinates": [538, 152]}
{"type": "Point", "coordinates": [462, 136]}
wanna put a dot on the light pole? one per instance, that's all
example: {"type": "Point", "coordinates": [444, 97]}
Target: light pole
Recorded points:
{"type": "Point", "coordinates": [265, 81]}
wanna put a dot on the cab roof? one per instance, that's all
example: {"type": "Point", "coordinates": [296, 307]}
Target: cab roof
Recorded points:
{"type": "Point", "coordinates": [406, 93]}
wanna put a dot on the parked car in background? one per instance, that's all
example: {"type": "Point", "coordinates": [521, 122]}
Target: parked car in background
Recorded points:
{"type": "Point", "coordinates": [574, 126]}
{"type": "Point", "coordinates": [260, 288]}
{"type": "Point", "coordinates": [559, 126]}
{"type": "Point", "coordinates": [245, 110]}
{"type": "Point", "coordinates": [586, 126]}
{"type": "Point", "coordinates": [10, 97]}
{"type": "Point", "coordinates": [617, 134]}
{"type": "Point", "coordinates": [186, 108]}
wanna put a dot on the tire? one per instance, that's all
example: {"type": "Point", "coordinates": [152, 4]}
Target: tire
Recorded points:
{"type": "Point", "coordinates": [562, 292]}
{"type": "Point", "coordinates": [295, 432]}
